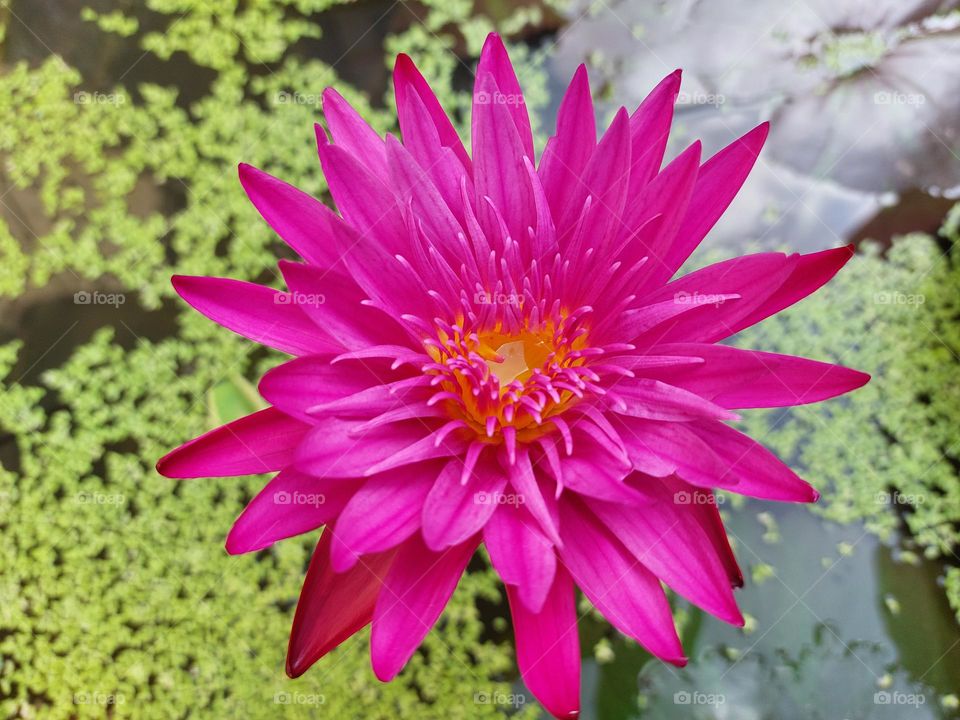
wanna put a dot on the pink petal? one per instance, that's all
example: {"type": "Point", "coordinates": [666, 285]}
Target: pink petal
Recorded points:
{"type": "Point", "coordinates": [415, 592]}
{"type": "Point", "coordinates": [703, 506]}
{"type": "Point", "coordinates": [304, 223]}
{"type": "Point", "coordinates": [718, 182]}
{"type": "Point", "coordinates": [364, 199]}
{"type": "Point", "coordinates": [756, 471]}
{"type": "Point", "coordinates": [351, 132]}
{"type": "Point", "coordinates": [627, 594]}
{"type": "Point", "coordinates": [548, 647]}
{"type": "Point", "coordinates": [521, 554]}
{"type": "Point", "coordinates": [331, 449]}
{"type": "Point", "coordinates": [408, 82]}
{"type": "Point", "coordinates": [498, 165]}
{"type": "Point", "coordinates": [384, 512]}
{"type": "Point", "coordinates": [738, 378]}
{"type": "Point", "coordinates": [454, 510]}
{"type": "Point", "coordinates": [655, 400]}
{"type": "Point", "coordinates": [566, 155]}
{"type": "Point", "coordinates": [258, 313]}
{"type": "Point", "coordinates": [290, 504]}
{"type": "Point", "coordinates": [670, 543]}
{"type": "Point", "coordinates": [811, 272]}
{"type": "Point", "coordinates": [495, 61]}
{"type": "Point", "coordinates": [679, 449]}
{"type": "Point", "coordinates": [335, 304]}
{"type": "Point", "coordinates": [259, 443]}
{"type": "Point", "coordinates": [650, 129]}
{"type": "Point", "coordinates": [530, 495]}
{"type": "Point", "coordinates": [332, 606]}
{"type": "Point", "coordinates": [753, 277]}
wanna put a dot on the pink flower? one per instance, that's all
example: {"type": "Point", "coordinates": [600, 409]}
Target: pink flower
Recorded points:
{"type": "Point", "coordinates": [489, 351]}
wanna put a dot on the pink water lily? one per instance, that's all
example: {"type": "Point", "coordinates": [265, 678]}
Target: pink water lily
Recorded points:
{"type": "Point", "coordinates": [494, 351]}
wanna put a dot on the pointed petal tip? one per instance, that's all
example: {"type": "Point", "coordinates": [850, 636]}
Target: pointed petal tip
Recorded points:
{"type": "Point", "coordinates": [679, 661]}
{"type": "Point", "coordinates": [295, 666]}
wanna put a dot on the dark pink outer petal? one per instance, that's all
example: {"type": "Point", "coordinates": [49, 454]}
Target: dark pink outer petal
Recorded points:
{"type": "Point", "coordinates": [290, 504]}
{"type": "Point", "coordinates": [415, 592]}
{"type": "Point", "coordinates": [627, 594]}
{"type": "Point", "coordinates": [756, 471]}
{"type": "Point", "coordinates": [740, 378]}
{"type": "Point", "coordinates": [670, 542]}
{"type": "Point", "coordinates": [548, 647]}
{"type": "Point", "coordinates": [332, 606]}
{"type": "Point", "coordinates": [259, 443]}
{"type": "Point", "coordinates": [305, 224]}
{"type": "Point", "coordinates": [258, 313]}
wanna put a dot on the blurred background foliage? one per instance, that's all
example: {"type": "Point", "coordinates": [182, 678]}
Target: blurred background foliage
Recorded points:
{"type": "Point", "coordinates": [119, 149]}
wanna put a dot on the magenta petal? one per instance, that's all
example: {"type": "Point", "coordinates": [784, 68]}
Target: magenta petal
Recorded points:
{"type": "Point", "coordinates": [415, 592]}
{"type": "Point", "coordinates": [670, 543]}
{"type": "Point", "coordinates": [305, 224]}
{"type": "Point", "coordinates": [408, 82]}
{"type": "Point", "coordinates": [627, 594]}
{"type": "Point", "coordinates": [654, 400]}
{"type": "Point", "coordinates": [756, 471]}
{"type": "Point", "coordinates": [454, 510]}
{"type": "Point", "coordinates": [548, 647]}
{"type": "Point", "coordinates": [495, 61]}
{"type": "Point", "coordinates": [258, 313]}
{"type": "Point", "coordinates": [332, 606]}
{"type": "Point", "coordinates": [650, 129]}
{"type": "Point", "coordinates": [811, 272]}
{"type": "Point", "coordinates": [718, 182]}
{"type": "Point", "coordinates": [739, 378]}
{"type": "Point", "coordinates": [567, 153]}
{"type": "Point", "coordinates": [290, 504]}
{"type": "Point", "coordinates": [498, 165]}
{"type": "Point", "coordinates": [384, 512]}
{"type": "Point", "coordinates": [350, 131]}
{"type": "Point", "coordinates": [259, 443]}
{"type": "Point", "coordinates": [336, 305]}
{"type": "Point", "coordinates": [521, 554]}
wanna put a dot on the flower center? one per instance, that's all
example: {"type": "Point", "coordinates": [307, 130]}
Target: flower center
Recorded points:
{"type": "Point", "coordinates": [510, 383]}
